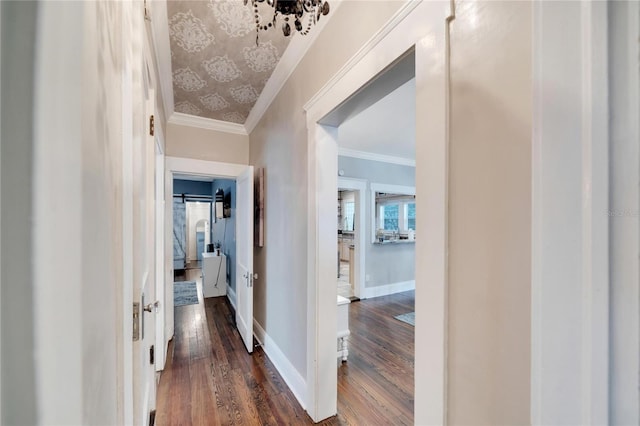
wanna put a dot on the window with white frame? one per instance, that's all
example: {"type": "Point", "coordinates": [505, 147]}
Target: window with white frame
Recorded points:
{"type": "Point", "coordinates": [397, 215]}
{"type": "Point", "coordinates": [393, 212]}
{"type": "Point", "coordinates": [410, 215]}
{"type": "Point", "coordinates": [349, 214]}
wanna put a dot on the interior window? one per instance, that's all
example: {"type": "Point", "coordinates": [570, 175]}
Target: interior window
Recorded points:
{"type": "Point", "coordinates": [389, 217]}
{"type": "Point", "coordinates": [411, 216]}
{"type": "Point", "coordinates": [349, 213]}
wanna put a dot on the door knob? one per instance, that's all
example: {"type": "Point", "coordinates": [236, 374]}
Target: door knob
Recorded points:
{"type": "Point", "coordinates": [152, 306]}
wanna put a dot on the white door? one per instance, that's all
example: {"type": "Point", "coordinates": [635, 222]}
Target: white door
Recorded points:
{"type": "Point", "coordinates": [244, 257]}
{"type": "Point", "coordinates": [144, 283]}
{"type": "Point", "coordinates": [159, 253]}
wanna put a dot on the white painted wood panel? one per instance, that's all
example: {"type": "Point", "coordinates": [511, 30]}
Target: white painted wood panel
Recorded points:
{"type": "Point", "coordinates": [244, 257]}
{"type": "Point", "coordinates": [570, 282]}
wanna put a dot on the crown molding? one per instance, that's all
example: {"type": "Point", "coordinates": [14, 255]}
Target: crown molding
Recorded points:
{"type": "Point", "coordinates": [289, 61]}
{"type": "Point", "coordinates": [395, 20]}
{"type": "Point", "coordinates": [207, 123]}
{"type": "Point", "coordinates": [346, 152]}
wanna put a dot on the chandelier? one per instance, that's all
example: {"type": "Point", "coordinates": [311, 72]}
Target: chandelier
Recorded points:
{"type": "Point", "coordinates": [294, 12]}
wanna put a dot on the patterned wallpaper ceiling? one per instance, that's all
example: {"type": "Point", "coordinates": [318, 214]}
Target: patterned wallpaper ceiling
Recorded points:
{"type": "Point", "coordinates": [218, 71]}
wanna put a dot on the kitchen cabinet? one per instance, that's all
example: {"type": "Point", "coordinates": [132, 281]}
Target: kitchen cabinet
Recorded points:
{"type": "Point", "coordinates": [344, 244]}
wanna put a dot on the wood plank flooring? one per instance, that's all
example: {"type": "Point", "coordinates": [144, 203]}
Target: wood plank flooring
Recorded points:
{"type": "Point", "coordinates": [210, 379]}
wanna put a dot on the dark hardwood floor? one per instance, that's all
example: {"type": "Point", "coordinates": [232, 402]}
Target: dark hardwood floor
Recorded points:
{"type": "Point", "coordinates": [210, 379]}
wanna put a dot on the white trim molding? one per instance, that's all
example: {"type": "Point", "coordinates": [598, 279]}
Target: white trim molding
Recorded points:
{"type": "Point", "coordinates": [162, 51]}
{"type": "Point", "coordinates": [424, 28]}
{"type": "Point", "coordinates": [570, 247]}
{"type": "Point", "coordinates": [384, 290]}
{"type": "Point", "coordinates": [291, 376]}
{"type": "Point", "coordinates": [207, 123]}
{"type": "Point", "coordinates": [346, 152]}
{"type": "Point", "coordinates": [370, 45]}
{"type": "Point", "coordinates": [231, 295]}
{"type": "Point", "coordinates": [287, 64]}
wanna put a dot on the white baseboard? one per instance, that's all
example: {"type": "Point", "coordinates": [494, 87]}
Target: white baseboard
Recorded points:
{"type": "Point", "coordinates": [231, 295]}
{"type": "Point", "coordinates": [292, 378]}
{"type": "Point", "coordinates": [383, 290]}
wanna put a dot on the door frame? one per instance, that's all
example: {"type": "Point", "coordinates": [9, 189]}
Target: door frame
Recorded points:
{"type": "Point", "coordinates": [159, 252]}
{"type": "Point", "coordinates": [188, 166]}
{"type": "Point", "coordinates": [425, 29]}
{"type": "Point", "coordinates": [359, 186]}
{"type": "Point", "coordinates": [570, 294]}
{"type": "Point", "coordinates": [244, 223]}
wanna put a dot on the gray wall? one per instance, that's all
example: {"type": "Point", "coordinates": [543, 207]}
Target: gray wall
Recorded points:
{"type": "Point", "coordinates": [624, 224]}
{"type": "Point", "coordinates": [278, 143]}
{"type": "Point", "coordinates": [18, 382]}
{"type": "Point", "coordinates": [389, 263]}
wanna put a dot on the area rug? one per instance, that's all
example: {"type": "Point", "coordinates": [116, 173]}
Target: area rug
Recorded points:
{"type": "Point", "coordinates": [409, 318]}
{"type": "Point", "coordinates": [185, 293]}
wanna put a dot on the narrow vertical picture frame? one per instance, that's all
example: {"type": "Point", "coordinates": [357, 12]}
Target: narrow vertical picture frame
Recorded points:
{"type": "Point", "coordinates": [258, 217]}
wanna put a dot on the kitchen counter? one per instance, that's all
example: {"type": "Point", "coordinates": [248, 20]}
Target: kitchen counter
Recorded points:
{"type": "Point", "coordinates": [387, 242]}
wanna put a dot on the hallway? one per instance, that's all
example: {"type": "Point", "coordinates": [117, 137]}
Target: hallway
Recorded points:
{"type": "Point", "coordinates": [209, 378]}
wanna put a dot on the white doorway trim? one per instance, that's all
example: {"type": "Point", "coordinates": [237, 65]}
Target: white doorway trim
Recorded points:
{"type": "Point", "coordinates": [570, 225]}
{"type": "Point", "coordinates": [424, 28]}
{"type": "Point", "coordinates": [188, 166]}
{"type": "Point", "coordinates": [360, 187]}
{"type": "Point", "coordinates": [159, 253]}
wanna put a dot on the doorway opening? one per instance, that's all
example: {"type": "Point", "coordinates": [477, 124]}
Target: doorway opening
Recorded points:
{"type": "Point", "coordinates": [346, 243]}
{"type": "Point", "coordinates": [204, 234]}
{"type": "Point", "coordinates": [351, 237]}
{"type": "Point", "coordinates": [192, 216]}
{"type": "Point", "coordinates": [376, 168]}
{"type": "Point", "coordinates": [427, 24]}
{"type": "Point", "coordinates": [227, 259]}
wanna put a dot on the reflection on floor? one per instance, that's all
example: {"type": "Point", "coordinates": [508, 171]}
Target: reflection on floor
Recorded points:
{"type": "Point", "coordinates": [194, 264]}
{"type": "Point", "coordinates": [345, 289]}
{"type": "Point", "coordinates": [210, 379]}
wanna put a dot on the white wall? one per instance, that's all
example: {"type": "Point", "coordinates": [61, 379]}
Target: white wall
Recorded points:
{"type": "Point", "coordinates": [65, 365]}
{"type": "Point", "coordinates": [489, 215]}
{"type": "Point", "coordinates": [206, 144]}
{"type": "Point", "coordinates": [570, 226]}
{"type": "Point", "coordinates": [78, 148]}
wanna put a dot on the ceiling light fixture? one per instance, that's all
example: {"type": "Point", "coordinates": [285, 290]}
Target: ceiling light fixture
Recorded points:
{"type": "Point", "coordinates": [292, 10]}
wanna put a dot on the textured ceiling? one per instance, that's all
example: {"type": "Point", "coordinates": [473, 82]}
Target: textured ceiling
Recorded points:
{"type": "Point", "coordinates": [218, 71]}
